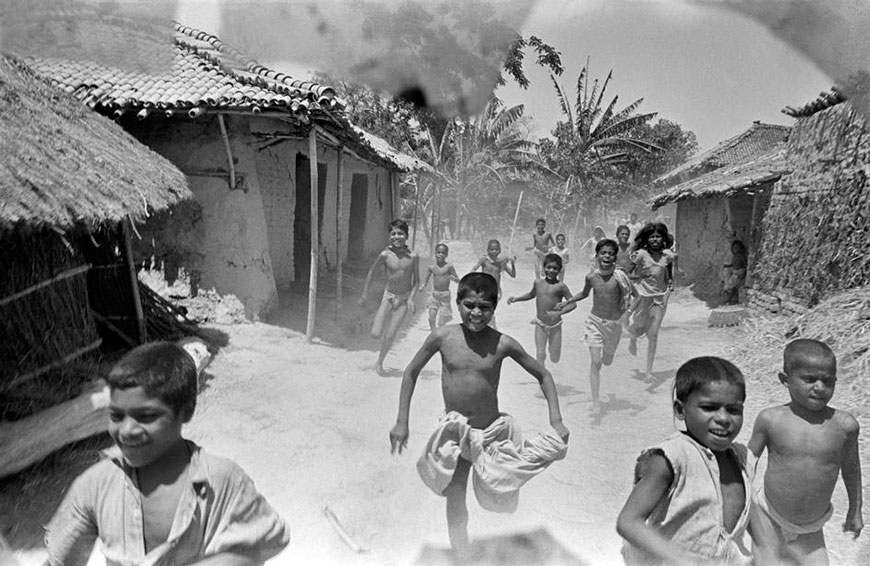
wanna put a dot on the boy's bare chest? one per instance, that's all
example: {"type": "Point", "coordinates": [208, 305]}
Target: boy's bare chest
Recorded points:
{"type": "Point", "coordinates": [798, 439]}
{"type": "Point", "coordinates": [398, 262]}
{"type": "Point", "coordinates": [158, 512]}
{"type": "Point", "coordinates": [548, 292]}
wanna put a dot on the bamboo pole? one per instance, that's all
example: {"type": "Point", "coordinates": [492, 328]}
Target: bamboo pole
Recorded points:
{"type": "Point", "coordinates": [514, 226]}
{"type": "Point", "coordinates": [315, 229]}
{"type": "Point", "coordinates": [416, 206]}
{"type": "Point", "coordinates": [339, 201]}
{"type": "Point", "coordinates": [134, 282]}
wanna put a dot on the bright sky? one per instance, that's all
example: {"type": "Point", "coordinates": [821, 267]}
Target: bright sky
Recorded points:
{"type": "Point", "coordinates": [706, 68]}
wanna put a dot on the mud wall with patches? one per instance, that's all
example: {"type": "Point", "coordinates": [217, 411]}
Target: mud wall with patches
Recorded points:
{"type": "Point", "coordinates": [815, 234]}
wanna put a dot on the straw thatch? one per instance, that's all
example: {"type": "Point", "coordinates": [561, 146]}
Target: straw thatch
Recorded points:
{"type": "Point", "coordinates": [64, 164]}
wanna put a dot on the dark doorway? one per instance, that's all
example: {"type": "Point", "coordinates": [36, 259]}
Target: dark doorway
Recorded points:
{"type": "Point", "coordinates": [302, 224]}
{"type": "Point", "coordinates": [359, 197]}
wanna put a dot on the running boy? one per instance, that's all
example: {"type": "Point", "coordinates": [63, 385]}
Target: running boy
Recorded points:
{"type": "Point", "coordinates": [561, 250]}
{"type": "Point", "coordinates": [474, 432]}
{"type": "Point", "coordinates": [809, 444]}
{"type": "Point", "coordinates": [623, 251]}
{"type": "Point", "coordinates": [159, 498]}
{"type": "Point", "coordinates": [401, 266]}
{"type": "Point", "coordinates": [611, 296]}
{"type": "Point", "coordinates": [442, 273]}
{"type": "Point", "coordinates": [547, 292]}
{"type": "Point", "coordinates": [541, 242]}
{"type": "Point", "coordinates": [493, 263]}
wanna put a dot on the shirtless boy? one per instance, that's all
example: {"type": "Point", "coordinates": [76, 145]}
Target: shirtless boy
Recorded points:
{"type": "Point", "coordinates": [541, 243]}
{"type": "Point", "coordinates": [493, 263]}
{"type": "Point", "coordinates": [548, 292]}
{"type": "Point", "coordinates": [611, 295]}
{"type": "Point", "coordinates": [808, 444]}
{"type": "Point", "coordinates": [471, 357]}
{"type": "Point", "coordinates": [442, 273]}
{"type": "Point", "coordinates": [401, 266]}
{"type": "Point", "coordinates": [561, 249]}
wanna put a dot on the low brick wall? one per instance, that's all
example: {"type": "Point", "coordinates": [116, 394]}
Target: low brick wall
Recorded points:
{"type": "Point", "coordinates": [778, 302]}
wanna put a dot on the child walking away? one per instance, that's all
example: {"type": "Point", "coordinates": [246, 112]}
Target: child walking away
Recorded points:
{"type": "Point", "coordinates": [401, 266]}
{"type": "Point", "coordinates": [493, 263]}
{"type": "Point", "coordinates": [442, 273]}
{"type": "Point", "coordinates": [611, 295]}
{"type": "Point", "coordinates": [474, 432]}
{"type": "Point", "coordinates": [652, 273]}
{"type": "Point", "coordinates": [690, 503]}
{"type": "Point", "coordinates": [541, 242]}
{"type": "Point", "coordinates": [547, 292]}
{"type": "Point", "coordinates": [158, 498]}
{"type": "Point", "coordinates": [561, 250]}
{"type": "Point", "coordinates": [809, 444]}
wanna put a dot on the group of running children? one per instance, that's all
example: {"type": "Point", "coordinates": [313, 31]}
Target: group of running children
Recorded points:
{"type": "Point", "coordinates": [161, 499]}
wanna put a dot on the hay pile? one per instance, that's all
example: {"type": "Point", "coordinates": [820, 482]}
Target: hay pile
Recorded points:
{"type": "Point", "coordinates": [842, 321]}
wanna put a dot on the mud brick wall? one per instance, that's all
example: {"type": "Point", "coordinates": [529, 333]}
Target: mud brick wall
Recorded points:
{"type": "Point", "coordinates": [816, 231]}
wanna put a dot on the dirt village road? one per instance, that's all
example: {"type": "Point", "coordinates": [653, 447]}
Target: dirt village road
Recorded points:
{"type": "Point", "coordinates": [310, 422]}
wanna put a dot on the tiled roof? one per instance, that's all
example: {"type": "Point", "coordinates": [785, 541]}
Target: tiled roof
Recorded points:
{"type": "Point", "coordinates": [731, 180]}
{"type": "Point", "coordinates": [824, 100]}
{"type": "Point", "coordinates": [758, 139]}
{"type": "Point", "coordinates": [205, 74]}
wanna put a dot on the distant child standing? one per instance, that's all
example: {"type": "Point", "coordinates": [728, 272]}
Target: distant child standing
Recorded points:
{"type": "Point", "coordinates": [588, 248]}
{"type": "Point", "coordinates": [475, 434]}
{"type": "Point", "coordinates": [401, 267]}
{"type": "Point", "coordinates": [561, 250]}
{"type": "Point", "coordinates": [158, 498]}
{"type": "Point", "coordinates": [493, 263]}
{"type": "Point", "coordinates": [623, 251]}
{"type": "Point", "coordinates": [690, 503]}
{"type": "Point", "coordinates": [652, 273]}
{"type": "Point", "coordinates": [442, 273]}
{"type": "Point", "coordinates": [611, 295]}
{"type": "Point", "coordinates": [541, 242]}
{"type": "Point", "coordinates": [734, 273]}
{"type": "Point", "coordinates": [809, 444]}
{"type": "Point", "coordinates": [547, 292]}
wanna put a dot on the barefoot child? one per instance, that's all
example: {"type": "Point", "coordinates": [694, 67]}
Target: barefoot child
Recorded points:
{"type": "Point", "coordinates": [158, 498]}
{"type": "Point", "coordinates": [653, 280]}
{"type": "Point", "coordinates": [611, 295]}
{"type": "Point", "coordinates": [547, 292]}
{"type": "Point", "coordinates": [809, 444]}
{"type": "Point", "coordinates": [474, 432]}
{"type": "Point", "coordinates": [442, 273]}
{"type": "Point", "coordinates": [690, 502]}
{"type": "Point", "coordinates": [561, 250]}
{"type": "Point", "coordinates": [401, 266]}
{"type": "Point", "coordinates": [541, 242]}
{"type": "Point", "coordinates": [493, 263]}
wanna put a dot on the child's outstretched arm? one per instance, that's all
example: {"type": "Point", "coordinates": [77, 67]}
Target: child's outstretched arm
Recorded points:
{"type": "Point", "coordinates": [587, 287]}
{"type": "Point", "coordinates": [477, 265]}
{"type": "Point", "coordinates": [647, 492]}
{"type": "Point", "coordinates": [399, 434]}
{"type": "Point", "coordinates": [758, 440]}
{"type": "Point", "coordinates": [851, 470]}
{"type": "Point", "coordinates": [371, 273]}
{"type": "Point", "coordinates": [452, 273]}
{"type": "Point", "coordinates": [524, 297]}
{"type": "Point", "coordinates": [548, 387]}
{"type": "Point", "coordinates": [566, 294]}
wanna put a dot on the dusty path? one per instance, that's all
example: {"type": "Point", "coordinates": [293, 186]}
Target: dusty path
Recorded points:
{"type": "Point", "coordinates": [310, 423]}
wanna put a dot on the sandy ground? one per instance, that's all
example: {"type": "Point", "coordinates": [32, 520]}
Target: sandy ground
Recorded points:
{"type": "Point", "coordinates": [310, 423]}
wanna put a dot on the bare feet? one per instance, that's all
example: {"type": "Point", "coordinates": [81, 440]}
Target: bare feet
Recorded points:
{"type": "Point", "coordinates": [632, 346]}
{"type": "Point", "coordinates": [596, 408]}
{"type": "Point", "coordinates": [380, 369]}
{"type": "Point", "coordinates": [649, 378]}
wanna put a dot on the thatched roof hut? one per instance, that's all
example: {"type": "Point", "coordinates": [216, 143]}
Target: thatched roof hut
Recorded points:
{"type": "Point", "coordinates": [64, 164]}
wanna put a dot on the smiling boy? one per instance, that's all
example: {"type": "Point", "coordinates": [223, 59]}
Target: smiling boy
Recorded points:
{"type": "Point", "coordinates": [474, 432]}
{"type": "Point", "coordinates": [809, 445]}
{"type": "Point", "coordinates": [158, 498]}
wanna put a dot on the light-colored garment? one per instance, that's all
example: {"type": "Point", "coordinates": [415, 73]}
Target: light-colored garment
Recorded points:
{"type": "Point", "coordinates": [440, 301]}
{"type": "Point", "coordinates": [395, 299]}
{"type": "Point", "coordinates": [652, 275]}
{"type": "Point", "coordinates": [220, 511]}
{"type": "Point", "coordinates": [563, 253]}
{"type": "Point", "coordinates": [640, 318]}
{"type": "Point", "coordinates": [690, 515]}
{"type": "Point", "coordinates": [788, 531]}
{"type": "Point", "coordinates": [623, 261]}
{"type": "Point", "coordinates": [548, 328]}
{"type": "Point", "coordinates": [604, 334]}
{"type": "Point", "coordinates": [501, 460]}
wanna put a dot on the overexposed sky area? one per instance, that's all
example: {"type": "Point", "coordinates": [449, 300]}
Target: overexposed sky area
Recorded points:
{"type": "Point", "coordinates": [707, 68]}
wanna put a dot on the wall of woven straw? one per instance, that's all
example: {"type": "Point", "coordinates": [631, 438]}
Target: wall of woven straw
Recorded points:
{"type": "Point", "coordinates": [816, 230]}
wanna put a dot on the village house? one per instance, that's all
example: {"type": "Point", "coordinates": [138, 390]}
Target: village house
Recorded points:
{"type": "Point", "coordinates": [244, 135]}
{"type": "Point", "coordinates": [721, 195]}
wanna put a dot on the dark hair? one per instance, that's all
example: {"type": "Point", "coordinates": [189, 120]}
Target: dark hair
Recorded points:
{"type": "Point", "coordinates": [563, 235]}
{"type": "Point", "coordinates": [163, 370]}
{"type": "Point", "coordinates": [539, 220]}
{"type": "Point", "coordinates": [803, 348]}
{"type": "Point", "coordinates": [491, 242]}
{"type": "Point", "coordinates": [698, 372]}
{"type": "Point", "coordinates": [442, 245]}
{"type": "Point", "coordinates": [648, 230]}
{"type": "Point", "coordinates": [607, 242]}
{"type": "Point", "coordinates": [597, 230]}
{"type": "Point", "coordinates": [741, 247]}
{"type": "Point", "coordinates": [481, 283]}
{"type": "Point", "coordinates": [622, 227]}
{"type": "Point", "coordinates": [553, 258]}
{"type": "Point", "coordinates": [400, 224]}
